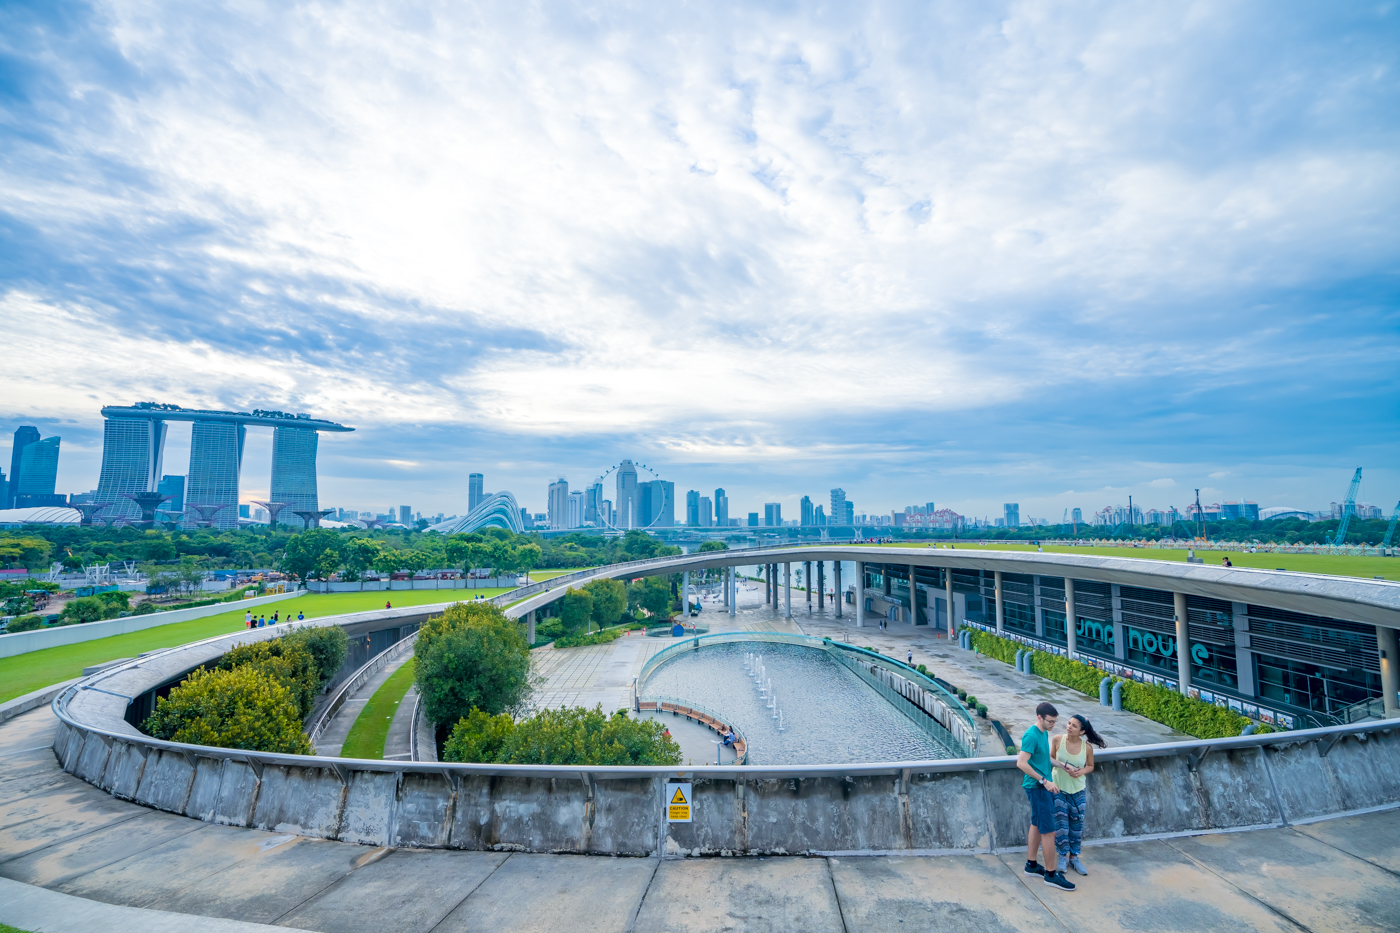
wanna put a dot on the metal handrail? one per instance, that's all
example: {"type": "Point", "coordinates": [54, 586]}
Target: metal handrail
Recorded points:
{"type": "Point", "coordinates": [354, 682]}
{"type": "Point", "coordinates": [697, 708]}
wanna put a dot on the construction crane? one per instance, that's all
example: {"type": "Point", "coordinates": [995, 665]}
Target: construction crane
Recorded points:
{"type": "Point", "coordinates": [1390, 532]}
{"type": "Point", "coordinates": [1348, 507]}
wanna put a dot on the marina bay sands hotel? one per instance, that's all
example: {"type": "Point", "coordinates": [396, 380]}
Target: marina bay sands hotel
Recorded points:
{"type": "Point", "coordinates": [133, 447]}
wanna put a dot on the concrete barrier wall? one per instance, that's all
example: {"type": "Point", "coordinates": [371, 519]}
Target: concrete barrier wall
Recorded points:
{"type": "Point", "coordinates": [373, 586]}
{"type": "Point", "coordinates": [969, 806]}
{"type": "Point", "coordinates": [25, 642]}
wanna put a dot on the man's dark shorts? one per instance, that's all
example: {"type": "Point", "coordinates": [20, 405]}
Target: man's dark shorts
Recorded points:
{"type": "Point", "coordinates": [1042, 809]}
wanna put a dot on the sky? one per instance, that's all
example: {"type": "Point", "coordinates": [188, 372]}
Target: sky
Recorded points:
{"type": "Point", "coordinates": [968, 253]}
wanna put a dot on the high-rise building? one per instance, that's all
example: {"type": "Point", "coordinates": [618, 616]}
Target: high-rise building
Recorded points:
{"type": "Point", "coordinates": [24, 436]}
{"type": "Point", "coordinates": [294, 473]}
{"type": "Point", "coordinates": [607, 513]}
{"type": "Point", "coordinates": [626, 502]}
{"type": "Point", "coordinates": [656, 504]}
{"type": "Point", "coordinates": [38, 474]}
{"type": "Point", "coordinates": [591, 499]}
{"type": "Point", "coordinates": [4, 491]}
{"type": "Point", "coordinates": [707, 515]}
{"type": "Point", "coordinates": [773, 514]}
{"type": "Point", "coordinates": [721, 508]}
{"type": "Point", "coordinates": [405, 515]}
{"type": "Point", "coordinates": [216, 463]}
{"type": "Point", "coordinates": [807, 517]}
{"type": "Point", "coordinates": [174, 487]}
{"type": "Point", "coordinates": [1013, 514]}
{"type": "Point", "coordinates": [692, 509]}
{"type": "Point", "coordinates": [559, 504]}
{"type": "Point", "coordinates": [1077, 516]}
{"type": "Point", "coordinates": [576, 509]}
{"type": "Point", "coordinates": [476, 490]}
{"type": "Point", "coordinates": [244, 510]}
{"type": "Point", "coordinates": [838, 506]}
{"type": "Point", "coordinates": [818, 516]}
{"type": "Point", "coordinates": [753, 519]}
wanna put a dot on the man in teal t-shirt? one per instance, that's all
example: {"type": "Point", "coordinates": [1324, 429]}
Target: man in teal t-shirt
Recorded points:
{"type": "Point", "coordinates": [1034, 762]}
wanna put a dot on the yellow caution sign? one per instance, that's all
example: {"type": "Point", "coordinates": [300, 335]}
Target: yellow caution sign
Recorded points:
{"type": "Point", "coordinates": [678, 803]}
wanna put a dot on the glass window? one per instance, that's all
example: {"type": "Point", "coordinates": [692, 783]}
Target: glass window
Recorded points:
{"type": "Point", "coordinates": [1095, 636]}
{"type": "Point", "coordinates": [1055, 627]}
{"type": "Point", "coordinates": [1018, 617]}
{"type": "Point", "coordinates": [1312, 687]}
{"type": "Point", "coordinates": [1152, 649]}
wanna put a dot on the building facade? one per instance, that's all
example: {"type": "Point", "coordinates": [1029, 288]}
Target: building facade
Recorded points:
{"type": "Point", "coordinates": [559, 504]}
{"type": "Point", "coordinates": [132, 450]}
{"type": "Point", "coordinates": [476, 490]}
{"type": "Point", "coordinates": [721, 508]}
{"type": "Point", "coordinates": [626, 501]}
{"type": "Point", "coordinates": [773, 514]}
{"type": "Point", "coordinates": [24, 436]}
{"type": "Point", "coordinates": [38, 474]}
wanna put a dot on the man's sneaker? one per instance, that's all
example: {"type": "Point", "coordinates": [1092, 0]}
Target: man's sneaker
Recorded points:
{"type": "Point", "coordinates": [1033, 868]}
{"type": "Point", "coordinates": [1058, 880]}
{"type": "Point", "coordinates": [1077, 865]}
{"type": "Point", "coordinates": [1063, 865]}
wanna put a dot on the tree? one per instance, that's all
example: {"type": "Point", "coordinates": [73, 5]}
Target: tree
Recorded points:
{"type": "Point", "coordinates": [527, 558]}
{"type": "Point", "coordinates": [358, 555]}
{"type": "Point", "coordinates": [289, 662]}
{"type": "Point", "coordinates": [712, 546]}
{"type": "Point", "coordinates": [191, 574]}
{"type": "Point", "coordinates": [387, 561]}
{"type": "Point", "coordinates": [471, 657]}
{"type": "Point", "coordinates": [306, 553]}
{"type": "Point", "coordinates": [27, 551]}
{"type": "Point", "coordinates": [240, 708]}
{"type": "Point", "coordinates": [327, 645]}
{"type": "Point", "coordinates": [572, 736]}
{"type": "Point", "coordinates": [609, 600]}
{"type": "Point", "coordinates": [575, 609]}
{"type": "Point", "coordinates": [86, 609]}
{"type": "Point", "coordinates": [655, 597]}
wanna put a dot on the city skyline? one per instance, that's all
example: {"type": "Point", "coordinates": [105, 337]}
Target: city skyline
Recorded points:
{"type": "Point", "coordinates": [974, 254]}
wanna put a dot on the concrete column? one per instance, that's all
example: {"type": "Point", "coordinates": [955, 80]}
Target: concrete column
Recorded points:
{"type": "Point", "coordinates": [996, 591]}
{"type": "Point", "coordinates": [685, 595]}
{"type": "Point", "coordinates": [1183, 642]}
{"type": "Point", "coordinates": [1071, 618]}
{"type": "Point", "coordinates": [948, 594]}
{"type": "Point", "coordinates": [840, 597]}
{"type": "Point", "coordinates": [733, 589]}
{"type": "Point", "coordinates": [530, 628]}
{"type": "Point", "coordinates": [821, 585]}
{"type": "Point", "coordinates": [860, 594]}
{"type": "Point", "coordinates": [1388, 640]}
{"type": "Point", "coordinates": [807, 576]}
{"type": "Point", "coordinates": [913, 598]}
{"type": "Point", "coordinates": [787, 589]}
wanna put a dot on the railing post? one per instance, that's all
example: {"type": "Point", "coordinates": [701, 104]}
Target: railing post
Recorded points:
{"type": "Point", "coordinates": [1071, 619]}
{"type": "Point", "coordinates": [860, 594]}
{"type": "Point", "coordinates": [1183, 644]}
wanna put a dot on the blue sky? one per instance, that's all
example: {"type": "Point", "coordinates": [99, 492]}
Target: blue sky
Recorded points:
{"type": "Point", "coordinates": [968, 253]}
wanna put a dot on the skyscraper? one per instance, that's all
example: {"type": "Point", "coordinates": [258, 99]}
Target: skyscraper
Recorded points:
{"type": "Point", "coordinates": [1013, 514]}
{"type": "Point", "coordinates": [38, 474]}
{"type": "Point", "coordinates": [559, 504]}
{"type": "Point", "coordinates": [24, 436]}
{"type": "Point", "coordinates": [753, 519]}
{"type": "Point", "coordinates": [807, 517]}
{"type": "Point", "coordinates": [773, 514]}
{"type": "Point", "coordinates": [838, 507]}
{"type": "Point", "coordinates": [476, 490]}
{"type": "Point", "coordinates": [1076, 516]}
{"type": "Point", "coordinates": [707, 515]}
{"type": "Point", "coordinates": [721, 508]}
{"type": "Point", "coordinates": [656, 504]}
{"type": "Point", "coordinates": [294, 472]}
{"type": "Point", "coordinates": [406, 515]}
{"type": "Point", "coordinates": [592, 499]}
{"type": "Point", "coordinates": [174, 487]}
{"type": "Point", "coordinates": [576, 509]}
{"type": "Point", "coordinates": [626, 503]}
{"type": "Point", "coordinates": [132, 452]}
{"type": "Point", "coordinates": [692, 509]}
{"type": "Point", "coordinates": [216, 463]}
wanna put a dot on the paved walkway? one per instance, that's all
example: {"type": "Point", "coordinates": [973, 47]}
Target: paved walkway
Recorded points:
{"type": "Point", "coordinates": [338, 729]}
{"type": "Point", "coordinates": [66, 836]}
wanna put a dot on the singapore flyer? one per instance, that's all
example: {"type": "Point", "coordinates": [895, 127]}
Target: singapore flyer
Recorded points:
{"type": "Point", "coordinates": [641, 500]}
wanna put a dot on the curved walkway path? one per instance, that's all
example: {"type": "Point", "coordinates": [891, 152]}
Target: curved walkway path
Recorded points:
{"type": "Point", "coordinates": [62, 834]}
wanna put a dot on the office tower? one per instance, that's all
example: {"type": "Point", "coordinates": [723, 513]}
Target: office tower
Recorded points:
{"type": "Point", "coordinates": [576, 509]}
{"type": "Point", "coordinates": [4, 491]}
{"type": "Point", "coordinates": [592, 497]}
{"type": "Point", "coordinates": [294, 473]}
{"type": "Point", "coordinates": [928, 508]}
{"type": "Point", "coordinates": [476, 490]}
{"type": "Point", "coordinates": [525, 520]}
{"type": "Point", "coordinates": [807, 518]}
{"type": "Point", "coordinates": [174, 487]}
{"type": "Point", "coordinates": [721, 508]}
{"type": "Point", "coordinates": [607, 512]}
{"type": "Point", "coordinates": [38, 474]}
{"type": "Point", "coordinates": [818, 516]}
{"type": "Point", "coordinates": [838, 506]}
{"type": "Point", "coordinates": [1013, 514]}
{"type": "Point", "coordinates": [707, 515]}
{"type": "Point", "coordinates": [1077, 516]}
{"type": "Point", "coordinates": [692, 509]}
{"type": "Point", "coordinates": [216, 463]}
{"type": "Point", "coordinates": [405, 515]}
{"type": "Point", "coordinates": [656, 504]}
{"type": "Point", "coordinates": [626, 503]}
{"type": "Point", "coordinates": [24, 436]}
{"type": "Point", "coordinates": [753, 519]}
{"type": "Point", "coordinates": [559, 504]}
{"type": "Point", "coordinates": [773, 514]}
{"type": "Point", "coordinates": [243, 510]}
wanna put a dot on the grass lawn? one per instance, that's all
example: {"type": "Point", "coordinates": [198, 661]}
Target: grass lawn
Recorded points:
{"type": "Point", "coordinates": [371, 727]}
{"type": "Point", "coordinates": [27, 672]}
{"type": "Point", "coordinates": [1339, 564]}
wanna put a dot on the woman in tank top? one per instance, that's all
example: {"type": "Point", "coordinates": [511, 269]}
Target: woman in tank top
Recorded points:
{"type": "Point", "coordinates": [1072, 755]}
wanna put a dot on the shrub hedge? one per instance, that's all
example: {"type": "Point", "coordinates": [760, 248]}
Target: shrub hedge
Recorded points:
{"type": "Point", "coordinates": [569, 736]}
{"type": "Point", "coordinates": [240, 708]}
{"type": "Point", "coordinates": [1182, 713]}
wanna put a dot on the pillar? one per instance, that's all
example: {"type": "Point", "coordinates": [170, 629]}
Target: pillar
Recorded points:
{"type": "Point", "coordinates": [996, 591]}
{"type": "Point", "coordinates": [787, 589]}
{"type": "Point", "coordinates": [1388, 640]}
{"type": "Point", "coordinates": [860, 594]}
{"type": "Point", "coordinates": [807, 576]}
{"type": "Point", "coordinates": [1071, 618]}
{"type": "Point", "coordinates": [530, 628]}
{"type": "Point", "coordinates": [839, 599]}
{"type": "Point", "coordinates": [685, 595]}
{"type": "Point", "coordinates": [913, 597]}
{"type": "Point", "coordinates": [821, 585]}
{"type": "Point", "coordinates": [948, 595]}
{"type": "Point", "coordinates": [1183, 643]}
{"type": "Point", "coordinates": [733, 588]}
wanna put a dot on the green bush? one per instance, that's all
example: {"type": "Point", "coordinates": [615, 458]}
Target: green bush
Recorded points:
{"type": "Point", "coordinates": [576, 609]}
{"type": "Point", "coordinates": [922, 669]}
{"type": "Point", "coordinates": [549, 628]}
{"type": "Point", "coordinates": [25, 624]}
{"type": "Point", "coordinates": [572, 736]}
{"type": "Point", "coordinates": [471, 657]}
{"type": "Point", "coordinates": [240, 708]}
{"type": "Point", "coordinates": [982, 710]}
{"type": "Point", "coordinates": [1160, 704]}
{"type": "Point", "coordinates": [146, 607]}
{"type": "Point", "coordinates": [605, 637]}
{"type": "Point", "coordinates": [327, 645]}
{"type": "Point", "coordinates": [86, 609]}
{"type": "Point", "coordinates": [288, 663]}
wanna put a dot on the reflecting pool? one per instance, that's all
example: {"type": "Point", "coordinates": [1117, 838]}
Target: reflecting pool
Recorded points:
{"type": "Point", "coordinates": [828, 715]}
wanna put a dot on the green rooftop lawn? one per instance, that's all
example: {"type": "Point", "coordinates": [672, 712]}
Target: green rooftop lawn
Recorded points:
{"type": "Point", "coordinates": [371, 728]}
{"type": "Point", "coordinates": [28, 672]}
{"type": "Point", "coordinates": [1339, 564]}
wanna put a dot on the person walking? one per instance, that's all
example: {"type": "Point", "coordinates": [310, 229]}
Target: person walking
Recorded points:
{"type": "Point", "coordinates": [1073, 755]}
{"type": "Point", "coordinates": [248, 619]}
{"type": "Point", "coordinates": [1034, 762]}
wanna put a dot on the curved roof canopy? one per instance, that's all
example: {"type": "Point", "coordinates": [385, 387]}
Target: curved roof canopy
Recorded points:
{"type": "Point", "coordinates": [41, 515]}
{"type": "Point", "coordinates": [498, 510]}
